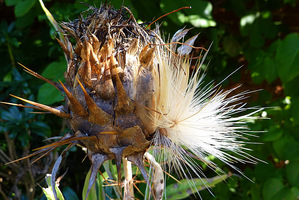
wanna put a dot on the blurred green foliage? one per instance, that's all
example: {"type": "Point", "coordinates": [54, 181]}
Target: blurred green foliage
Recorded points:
{"type": "Point", "coordinates": [261, 35]}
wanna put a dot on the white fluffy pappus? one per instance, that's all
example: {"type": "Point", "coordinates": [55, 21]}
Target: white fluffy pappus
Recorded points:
{"type": "Point", "coordinates": [195, 120]}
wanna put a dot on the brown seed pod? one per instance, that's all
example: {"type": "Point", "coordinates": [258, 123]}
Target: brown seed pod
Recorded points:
{"type": "Point", "coordinates": [106, 93]}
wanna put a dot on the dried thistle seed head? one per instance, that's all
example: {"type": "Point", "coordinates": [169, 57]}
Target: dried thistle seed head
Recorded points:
{"type": "Point", "coordinates": [109, 70]}
{"type": "Point", "coordinates": [113, 85]}
{"type": "Point", "coordinates": [127, 91]}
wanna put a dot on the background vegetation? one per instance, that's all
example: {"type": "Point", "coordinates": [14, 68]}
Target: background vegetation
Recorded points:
{"type": "Point", "coordinates": [261, 35]}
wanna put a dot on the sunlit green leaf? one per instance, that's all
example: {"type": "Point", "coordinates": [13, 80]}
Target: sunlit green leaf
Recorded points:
{"type": "Point", "coordinates": [48, 94]}
{"type": "Point", "coordinates": [96, 192]}
{"type": "Point", "coordinates": [55, 70]}
{"type": "Point", "coordinates": [183, 190]}
{"type": "Point", "coordinates": [287, 57]}
{"type": "Point", "coordinates": [49, 192]}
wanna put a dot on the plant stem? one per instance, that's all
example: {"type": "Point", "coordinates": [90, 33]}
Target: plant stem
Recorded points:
{"type": "Point", "coordinates": [157, 177]}
{"type": "Point", "coordinates": [31, 181]}
{"type": "Point", "coordinates": [11, 147]}
{"type": "Point", "coordinates": [11, 55]}
{"type": "Point", "coordinates": [3, 194]}
{"type": "Point", "coordinates": [128, 186]}
{"type": "Point", "coordinates": [110, 175]}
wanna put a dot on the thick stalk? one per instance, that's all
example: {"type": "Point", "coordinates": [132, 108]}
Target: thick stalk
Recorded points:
{"type": "Point", "coordinates": [128, 186]}
{"type": "Point", "coordinates": [30, 186]}
{"type": "Point", "coordinates": [11, 146]}
{"type": "Point", "coordinates": [157, 177]}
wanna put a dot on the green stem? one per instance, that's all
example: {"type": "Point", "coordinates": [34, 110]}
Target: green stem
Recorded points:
{"type": "Point", "coordinates": [11, 55]}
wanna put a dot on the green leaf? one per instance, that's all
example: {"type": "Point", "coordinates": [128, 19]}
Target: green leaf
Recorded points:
{"type": "Point", "coordinates": [26, 20]}
{"type": "Point", "coordinates": [40, 128]}
{"type": "Point", "coordinates": [199, 15]}
{"type": "Point", "coordinates": [295, 109]}
{"type": "Point", "coordinates": [295, 191]}
{"type": "Point", "coordinates": [284, 193]}
{"type": "Point", "coordinates": [256, 38]}
{"type": "Point", "coordinates": [255, 191]}
{"type": "Point", "coordinates": [292, 170]}
{"type": "Point", "coordinates": [291, 151]}
{"type": "Point", "coordinates": [287, 58]}
{"type": "Point", "coordinates": [8, 77]}
{"type": "Point", "coordinates": [55, 70]}
{"type": "Point", "coordinates": [231, 46]}
{"type": "Point", "coordinates": [291, 2]}
{"type": "Point", "coordinates": [12, 115]}
{"type": "Point", "coordinates": [23, 7]}
{"type": "Point", "coordinates": [23, 138]}
{"type": "Point", "coordinates": [281, 144]}
{"type": "Point", "coordinates": [49, 192]}
{"type": "Point", "coordinates": [182, 189]}
{"type": "Point", "coordinates": [274, 133]}
{"type": "Point", "coordinates": [268, 28]}
{"type": "Point", "coordinates": [12, 2]}
{"type": "Point", "coordinates": [68, 193]}
{"type": "Point", "coordinates": [291, 88]}
{"type": "Point", "coordinates": [48, 94]}
{"type": "Point", "coordinates": [271, 187]}
{"type": "Point", "coordinates": [262, 63]}
{"type": "Point", "coordinates": [270, 72]}
{"type": "Point", "coordinates": [146, 7]}
{"type": "Point", "coordinates": [96, 192]}
{"type": "Point", "coordinates": [118, 3]}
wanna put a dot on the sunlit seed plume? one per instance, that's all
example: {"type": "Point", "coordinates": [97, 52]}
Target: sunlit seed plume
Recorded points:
{"type": "Point", "coordinates": [200, 117]}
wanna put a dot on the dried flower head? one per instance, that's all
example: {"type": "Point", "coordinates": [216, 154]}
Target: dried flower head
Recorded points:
{"type": "Point", "coordinates": [128, 91]}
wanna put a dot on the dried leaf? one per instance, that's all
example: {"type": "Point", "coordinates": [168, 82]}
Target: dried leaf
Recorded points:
{"type": "Point", "coordinates": [186, 49]}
